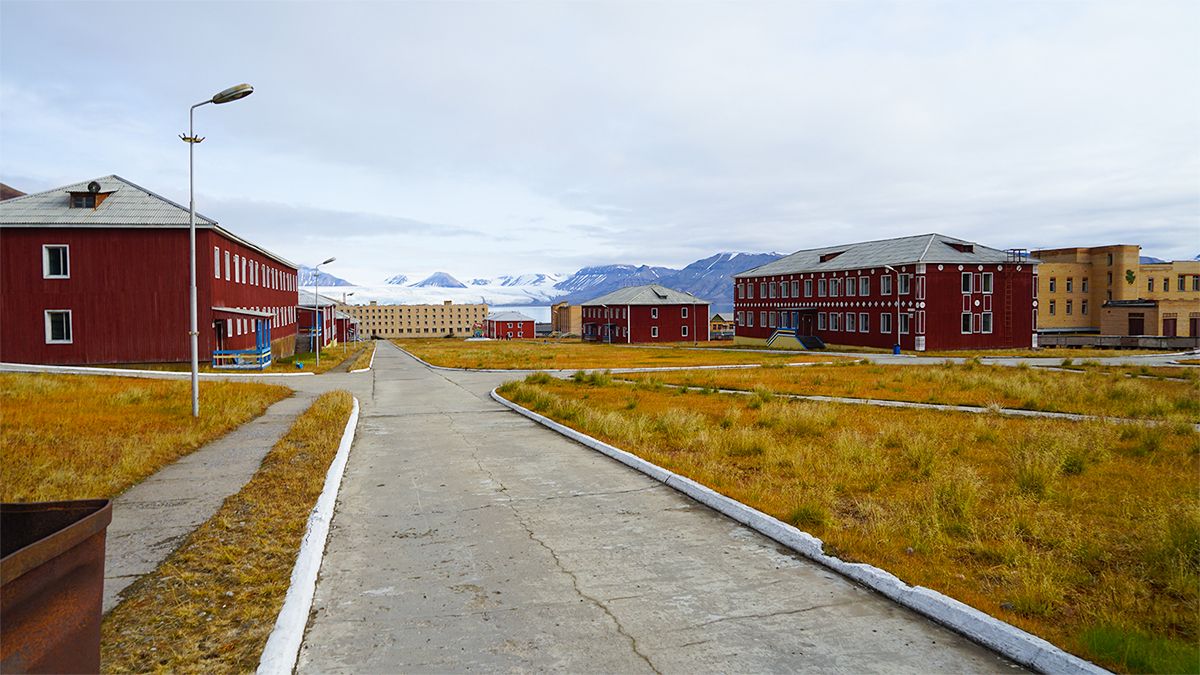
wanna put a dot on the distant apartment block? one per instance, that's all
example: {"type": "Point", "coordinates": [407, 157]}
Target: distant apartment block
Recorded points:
{"type": "Point", "coordinates": [566, 319]}
{"type": "Point", "coordinates": [923, 292]}
{"type": "Point", "coordinates": [1107, 290]}
{"type": "Point", "coordinates": [417, 321]}
{"type": "Point", "coordinates": [721, 327]}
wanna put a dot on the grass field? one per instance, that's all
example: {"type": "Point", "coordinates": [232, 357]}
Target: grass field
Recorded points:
{"type": "Point", "coordinates": [363, 360]}
{"type": "Point", "coordinates": [1043, 353]}
{"type": "Point", "coordinates": [83, 437]}
{"type": "Point", "coordinates": [1090, 392]}
{"type": "Point", "coordinates": [211, 605]}
{"type": "Point", "coordinates": [573, 354]}
{"type": "Point", "coordinates": [1167, 372]}
{"type": "Point", "coordinates": [331, 358]}
{"type": "Point", "coordinates": [1085, 533]}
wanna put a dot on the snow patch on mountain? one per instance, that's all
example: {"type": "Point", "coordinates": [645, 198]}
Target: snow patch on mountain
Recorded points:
{"type": "Point", "coordinates": [439, 280]}
{"type": "Point", "coordinates": [308, 275]}
{"type": "Point", "coordinates": [398, 280]}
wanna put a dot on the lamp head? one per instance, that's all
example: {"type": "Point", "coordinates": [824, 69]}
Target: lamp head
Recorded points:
{"type": "Point", "coordinates": [328, 261]}
{"type": "Point", "coordinates": [233, 93]}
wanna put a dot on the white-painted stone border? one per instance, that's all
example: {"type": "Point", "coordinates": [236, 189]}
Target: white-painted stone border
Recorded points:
{"type": "Point", "coordinates": [371, 363]}
{"type": "Point", "coordinates": [130, 372]}
{"type": "Point", "coordinates": [648, 369]}
{"type": "Point", "coordinates": [1006, 639]}
{"type": "Point", "coordinates": [283, 646]}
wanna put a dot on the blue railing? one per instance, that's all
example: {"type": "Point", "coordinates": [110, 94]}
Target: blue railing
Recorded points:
{"type": "Point", "coordinates": [243, 359]}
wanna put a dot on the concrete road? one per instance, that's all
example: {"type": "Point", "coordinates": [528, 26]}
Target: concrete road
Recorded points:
{"type": "Point", "coordinates": [468, 538]}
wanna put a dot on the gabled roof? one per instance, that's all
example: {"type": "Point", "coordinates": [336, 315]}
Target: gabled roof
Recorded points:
{"type": "Point", "coordinates": [304, 299]}
{"type": "Point", "coordinates": [507, 316]}
{"type": "Point", "coordinates": [721, 317]}
{"type": "Point", "coordinates": [127, 205]}
{"type": "Point", "coordinates": [649, 294]}
{"type": "Point", "coordinates": [924, 248]}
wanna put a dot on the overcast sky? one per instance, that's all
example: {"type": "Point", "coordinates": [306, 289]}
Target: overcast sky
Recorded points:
{"type": "Point", "coordinates": [512, 137]}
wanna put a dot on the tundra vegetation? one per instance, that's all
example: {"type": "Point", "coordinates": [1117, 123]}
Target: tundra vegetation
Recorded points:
{"type": "Point", "coordinates": [83, 437]}
{"type": "Point", "coordinates": [1085, 533]}
{"type": "Point", "coordinates": [573, 354]}
{"type": "Point", "coordinates": [211, 605]}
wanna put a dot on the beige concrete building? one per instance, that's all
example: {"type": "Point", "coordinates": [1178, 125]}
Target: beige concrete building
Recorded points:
{"type": "Point", "coordinates": [566, 319]}
{"type": "Point", "coordinates": [1107, 290]}
{"type": "Point", "coordinates": [417, 321]}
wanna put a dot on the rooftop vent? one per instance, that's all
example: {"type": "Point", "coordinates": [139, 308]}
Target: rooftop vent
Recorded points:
{"type": "Point", "coordinates": [965, 248]}
{"type": "Point", "coordinates": [826, 257]}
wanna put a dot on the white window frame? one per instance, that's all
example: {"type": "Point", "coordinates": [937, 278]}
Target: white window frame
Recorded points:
{"type": "Point", "coordinates": [987, 284]}
{"type": "Point", "coordinates": [905, 284]}
{"type": "Point", "coordinates": [966, 283]}
{"type": "Point", "coordinates": [653, 331]}
{"type": "Point", "coordinates": [850, 322]}
{"type": "Point", "coordinates": [822, 321]}
{"type": "Point", "coordinates": [70, 339]}
{"type": "Point", "coordinates": [217, 262]}
{"type": "Point", "coordinates": [851, 287]}
{"type": "Point", "coordinates": [964, 324]}
{"type": "Point", "coordinates": [885, 323]}
{"type": "Point", "coordinates": [795, 288]}
{"type": "Point", "coordinates": [822, 288]}
{"type": "Point", "coordinates": [683, 311]}
{"type": "Point", "coordinates": [228, 254]}
{"type": "Point", "coordinates": [684, 331]}
{"type": "Point", "coordinates": [987, 322]}
{"type": "Point", "coordinates": [885, 285]}
{"type": "Point", "coordinates": [864, 286]}
{"type": "Point", "coordinates": [749, 319]}
{"type": "Point", "coordinates": [762, 319]}
{"type": "Point", "coordinates": [808, 288]}
{"type": "Point", "coordinates": [905, 323]}
{"type": "Point", "coordinates": [66, 248]}
{"type": "Point", "coordinates": [653, 312]}
{"type": "Point", "coordinates": [864, 322]}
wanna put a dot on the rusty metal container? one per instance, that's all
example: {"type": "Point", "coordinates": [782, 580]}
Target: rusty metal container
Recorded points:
{"type": "Point", "coordinates": [52, 590]}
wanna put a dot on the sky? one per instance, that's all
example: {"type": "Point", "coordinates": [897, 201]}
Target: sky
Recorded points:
{"type": "Point", "coordinates": [517, 137]}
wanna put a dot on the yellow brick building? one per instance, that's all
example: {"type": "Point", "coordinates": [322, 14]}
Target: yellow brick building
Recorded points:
{"type": "Point", "coordinates": [417, 321]}
{"type": "Point", "coordinates": [1107, 290]}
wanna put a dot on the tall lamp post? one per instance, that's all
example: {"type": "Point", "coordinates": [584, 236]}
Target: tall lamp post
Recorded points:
{"type": "Point", "coordinates": [231, 94]}
{"type": "Point", "coordinates": [317, 309]}
{"type": "Point", "coordinates": [344, 296]}
{"type": "Point", "coordinates": [896, 289]}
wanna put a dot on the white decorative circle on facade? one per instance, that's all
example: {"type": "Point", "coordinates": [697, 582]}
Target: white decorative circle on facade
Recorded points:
{"type": "Point", "coordinates": [920, 305]}
{"type": "Point", "coordinates": [941, 267]}
{"type": "Point", "coordinates": [960, 268]}
{"type": "Point", "coordinates": [999, 268]}
{"type": "Point", "coordinates": [1018, 268]}
{"type": "Point", "coordinates": [976, 303]}
{"type": "Point", "coordinates": [1035, 303]}
{"type": "Point", "coordinates": [981, 268]}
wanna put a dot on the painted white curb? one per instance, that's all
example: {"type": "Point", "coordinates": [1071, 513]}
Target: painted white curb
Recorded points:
{"type": "Point", "coordinates": [283, 646]}
{"type": "Point", "coordinates": [370, 363]}
{"type": "Point", "coordinates": [1003, 638]}
{"type": "Point", "coordinates": [648, 369]}
{"type": "Point", "coordinates": [129, 372]}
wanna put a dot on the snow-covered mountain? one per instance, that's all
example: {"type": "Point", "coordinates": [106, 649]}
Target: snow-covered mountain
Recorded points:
{"type": "Point", "coordinates": [590, 282]}
{"type": "Point", "coordinates": [308, 275]}
{"type": "Point", "coordinates": [528, 280]}
{"type": "Point", "coordinates": [439, 280]}
{"type": "Point", "coordinates": [398, 280]}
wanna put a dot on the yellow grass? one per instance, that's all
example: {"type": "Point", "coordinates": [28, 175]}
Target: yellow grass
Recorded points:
{"type": "Point", "coordinates": [568, 355]}
{"type": "Point", "coordinates": [1042, 353]}
{"type": "Point", "coordinates": [1085, 533]}
{"type": "Point", "coordinates": [331, 357]}
{"type": "Point", "coordinates": [364, 357]}
{"type": "Point", "coordinates": [1089, 392]}
{"type": "Point", "coordinates": [211, 605]}
{"type": "Point", "coordinates": [82, 437]}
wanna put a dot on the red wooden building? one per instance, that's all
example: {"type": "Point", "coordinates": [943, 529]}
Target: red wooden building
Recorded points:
{"type": "Point", "coordinates": [927, 292]}
{"type": "Point", "coordinates": [313, 311]}
{"type": "Point", "coordinates": [508, 326]}
{"type": "Point", "coordinates": [97, 272]}
{"type": "Point", "coordinates": [649, 313]}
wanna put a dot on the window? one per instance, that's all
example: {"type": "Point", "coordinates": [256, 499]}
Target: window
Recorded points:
{"type": "Point", "coordinates": [851, 324]}
{"type": "Point", "coordinates": [738, 318]}
{"type": "Point", "coordinates": [966, 322]}
{"type": "Point", "coordinates": [835, 287]}
{"type": "Point", "coordinates": [864, 322]}
{"type": "Point", "coordinates": [245, 279]}
{"type": "Point", "coordinates": [653, 312]}
{"type": "Point", "coordinates": [987, 282]}
{"type": "Point", "coordinates": [1166, 284]}
{"type": "Point", "coordinates": [966, 282]}
{"type": "Point", "coordinates": [762, 289]}
{"type": "Point", "coordinates": [905, 286]}
{"type": "Point", "coordinates": [1083, 307]}
{"type": "Point", "coordinates": [904, 321]}
{"type": "Point", "coordinates": [834, 320]}
{"type": "Point", "coordinates": [750, 291]}
{"type": "Point", "coordinates": [58, 326]}
{"type": "Point", "coordinates": [795, 289]}
{"type": "Point", "coordinates": [653, 331]}
{"type": "Point", "coordinates": [1083, 285]}
{"type": "Point", "coordinates": [864, 285]}
{"type": "Point", "coordinates": [227, 254]}
{"type": "Point", "coordinates": [1052, 307]}
{"type": "Point", "coordinates": [885, 285]}
{"type": "Point", "coordinates": [1182, 286]}
{"type": "Point", "coordinates": [1053, 284]}
{"type": "Point", "coordinates": [774, 289]}
{"type": "Point", "coordinates": [1196, 284]}
{"type": "Point", "coordinates": [772, 320]}
{"type": "Point", "coordinates": [851, 287]}
{"type": "Point", "coordinates": [83, 200]}
{"type": "Point", "coordinates": [56, 262]}
{"type": "Point", "coordinates": [821, 321]}
{"type": "Point", "coordinates": [217, 262]}
{"type": "Point", "coordinates": [683, 312]}
{"type": "Point", "coordinates": [1150, 283]}
{"type": "Point", "coordinates": [783, 289]}
{"type": "Point", "coordinates": [762, 319]}
{"type": "Point", "coordinates": [683, 332]}
{"type": "Point", "coordinates": [237, 269]}
{"type": "Point", "coordinates": [1070, 307]}
{"type": "Point", "coordinates": [1070, 284]}
{"type": "Point", "coordinates": [885, 322]}
{"type": "Point", "coordinates": [1110, 260]}
{"type": "Point", "coordinates": [821, 288]}
{"type": "Point", "coordinates": [741, 292]}
{"type": "Point", "coordinates": [808, 287]}
{"type": "Point", "coordinates": [750, 319]}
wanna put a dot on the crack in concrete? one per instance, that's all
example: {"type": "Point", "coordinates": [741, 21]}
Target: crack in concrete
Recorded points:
{"type": "Point", "coordinates": [768, 615]}
{"type": "Point", "coordinates": [511, 504]}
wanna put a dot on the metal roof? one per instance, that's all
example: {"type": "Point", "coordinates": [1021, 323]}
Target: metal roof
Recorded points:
{"type": "Point", "coordinates": [924, 248]}
{"type": "Point", "coordinates": [507, 316]}
{"type": "Point", "coordinates": [649, 294]}
{"type": "Point", "coordinates": [127, 205]}
{"type": "Point", "coordinates": [304, 299]}
{"type": "Point", "coordinates": [244, 312]}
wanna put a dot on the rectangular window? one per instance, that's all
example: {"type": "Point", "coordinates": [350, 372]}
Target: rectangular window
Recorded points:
{"type": "Point", "coordinates": [905, 285]}
{"type": "Point", "coordinates": [821, 286]}
{"type": "Point", "coordinates": [864, 285]}
{"type": "Point", "coordinates": [56, 262]}
{"type": "Point", "coordinates": [741, 292]}
{"type": "Point", "coordinates": [58, 326]}
{"type": "Point", "coordinates": [217, 262]}
{"type": "Point", "coordinates": [1070, 284]}
{"type": "Point", "coordinates": [237, 269]}
{"type": "Point", "coordinates": [885, 322]}
{"type": "Point", "coordinates": [683, 312]}
{"type": "Point", "coordinates": [783, 288]}
{"type": "Point", "coordinates": [227, 254]}
{"type": "Point", "coordinates": [653, 312]}
{"type": "Point", "coordinates": [774, 289]}
{"type": "Point", "coordinates": [1196, 285]}
{"type": "Point", "coordinates": [987, 322]}
{"type": "Point", "coordinates": [851, 287]}
{"type": "Point", "coordinates": [1182, 286]}
{"type": "Point", "coordinates": [966, 282]}
{"type": "Point", "coordinates": [904, 321]}
{"type": "Point", "coordinates": [808, 287]}
{"type": "Point", "coordinates": [795, 289]}
{"type": "Point", "coordinates": [1150, 283]}
{"type": "Point", "coordinates": [864, 322]}
{"type": "Point", "coordinates": [683, 331]}
{"type": "Point", "coordinates": [966, 322]}
{"type": "Point", "coordinates": [1052, 307]}
{"type": "Point", "coordinates": [1110, 259]}
{"type": "Point", "coordinates": [762, 290]}
{"type": "Point", "coordinates": [750, 291]}
{"type": "Point", "coordinates": [835, 288]}
{"type": "Point", "coordinates": [1166, 284]}
{"type": "Point", "coordinates": [653, 331]}
{"type": "Point", "coordinates": [1083, 285]}
{"type": "Point", "coordinates": [750, 319]}
{"type": "Point", "coordinates": [738, 318]}
{"type": "Point", "coordinates": [1053, 284]}
{"type": "Point", "coordinates": [1083, 307]}
{"type": "Point", "coordinates": [771, 320]}
{"type": "Point", "coordinates": [834, 319]}
{"type": "Point", "coordinates": [1070, 307]}
{"type": "Point", "coordinates": [245, 279]}
{"type": "Point", "coordinates": [987, 282]}
{"type": "Point", "coordinates": [821, 321]}
{"type": "Point", "coordinates": [851, 324]}
{"type": "Point", "coordinates": [762, 319]}
{"type": "Point", "coordinates": [978, 324]}
{"type": "Point", "coordinates": [885, 285]}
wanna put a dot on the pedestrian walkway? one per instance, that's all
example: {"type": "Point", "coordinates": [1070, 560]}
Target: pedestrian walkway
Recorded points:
{"type": "Point", "coordinates": [151, 519]}
{"type": "Point", "coordinates": [469, 538]}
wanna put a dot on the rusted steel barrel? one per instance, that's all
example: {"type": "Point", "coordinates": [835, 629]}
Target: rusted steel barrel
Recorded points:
{"type": "Point", "coordinates": [52, 585]}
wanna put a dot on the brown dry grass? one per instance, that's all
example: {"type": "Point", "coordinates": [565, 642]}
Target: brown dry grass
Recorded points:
{"type": "Point", "coordinates": [211, 605]}
{"type": "Point", "coordinates": [1091, 392]}
{"type": "Point", "coordinates": [331, 357]}
{"type": "Point", "coordinates": [569, 355]}
{"type": "Point", "coordinates": [364, 357]}
{"type": "Point", "coordinates": [81, 437]}
{"type": "Point", "coordinates": [1042, 353]}
{"type": "Point", "coordinates": [1085, 533]}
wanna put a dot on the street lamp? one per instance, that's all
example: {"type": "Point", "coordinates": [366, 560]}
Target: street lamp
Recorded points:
{"type": "Point", "coordinates": [231, 94]}
{"type": "Point", "coordinates": [344, 296]}
{"type": "Point", "coordinates": [896, 289]}
{"type": "Point", "coordinates": [317, 308]}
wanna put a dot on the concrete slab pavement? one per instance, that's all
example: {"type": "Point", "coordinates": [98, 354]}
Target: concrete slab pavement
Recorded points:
{"type": "Point", "coordinates": [469, 538]}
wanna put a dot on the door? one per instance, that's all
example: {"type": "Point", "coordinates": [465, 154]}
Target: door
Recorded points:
{"type": "Point", "coordinates": [1194, 327]}
{"type": "Point", "coordinates": [806, 324]}
{"type": "Point", "coordinates": [1169, 329]}
{"type": "Point", "coordinates": [1137, 324]}
{"type": "Point", "coordinates": [219, 326]}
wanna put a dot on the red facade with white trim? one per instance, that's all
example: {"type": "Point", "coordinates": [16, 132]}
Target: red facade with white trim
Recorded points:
{"type": "Point", "coordinates": [632, 324]}
{"type": "Point", "coordinates": [501, 329]}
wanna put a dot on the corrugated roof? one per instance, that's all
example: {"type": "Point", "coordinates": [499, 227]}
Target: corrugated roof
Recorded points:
{"type": "Point", "coordinates": [649, 294]}
{"type": "Point", "coordinates": [127, 206]}
{"type": "Point", "coordinates": [508, 316]}
{"type": "Point", "coordinates": [924, 248]}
